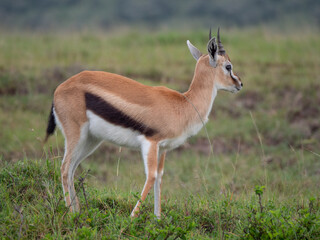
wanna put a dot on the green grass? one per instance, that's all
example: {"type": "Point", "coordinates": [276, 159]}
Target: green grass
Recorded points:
{"type": "Point", "coordinates": [32, 206]}
{"type": "Point", "coordinates": [267, 135]}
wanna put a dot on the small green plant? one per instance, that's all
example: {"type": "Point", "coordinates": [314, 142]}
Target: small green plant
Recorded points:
{"type": "Point", "coordinates": [282, 222]}
{"type": "Point", "coordinates": [259, 191]}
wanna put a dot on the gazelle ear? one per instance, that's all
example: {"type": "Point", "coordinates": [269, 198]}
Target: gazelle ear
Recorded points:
{"type": "Point", "coordinates": [194, 51]}
{"type": "Point", "coordinates": [213, 52]}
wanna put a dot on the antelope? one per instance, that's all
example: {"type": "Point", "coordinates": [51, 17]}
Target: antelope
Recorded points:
{"type": "Point", "coordinates": [94, 106]}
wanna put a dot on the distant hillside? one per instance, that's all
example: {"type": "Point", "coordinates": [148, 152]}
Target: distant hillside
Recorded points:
{"type": "Point", "coordinates": [80, 14]}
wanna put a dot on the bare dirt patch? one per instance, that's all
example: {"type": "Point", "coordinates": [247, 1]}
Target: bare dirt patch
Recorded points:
{"type": "Point", "coordinates": [11, 82]}
{"type": "Point", "coordinates": [304, 112]}
{"type": "Point", "coordinates": [250, 100]}
{"type": "Point", "coordinates": [219, 146]}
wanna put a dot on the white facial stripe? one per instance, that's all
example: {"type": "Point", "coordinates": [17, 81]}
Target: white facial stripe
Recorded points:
{"type": "Point", "coordinates": [235, 77]}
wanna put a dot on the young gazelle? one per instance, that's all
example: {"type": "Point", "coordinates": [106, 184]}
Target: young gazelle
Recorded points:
{"type": "Point", "coordinates": [94, 106]}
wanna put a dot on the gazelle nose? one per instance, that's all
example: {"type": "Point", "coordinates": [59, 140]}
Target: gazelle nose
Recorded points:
{"type": "Point", "coordinates": [241, 84]}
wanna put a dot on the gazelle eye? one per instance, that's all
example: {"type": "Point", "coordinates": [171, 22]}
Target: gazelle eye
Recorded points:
{"type": "Point", "coordinates": [228, 67]}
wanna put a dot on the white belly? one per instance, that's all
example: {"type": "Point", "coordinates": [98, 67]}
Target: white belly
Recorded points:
{"type": "Point", "coordinates": [104, 130]}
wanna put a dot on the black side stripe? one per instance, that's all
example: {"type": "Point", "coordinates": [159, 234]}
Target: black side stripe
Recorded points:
{"type": "Point", "coordinates": [108, 112]}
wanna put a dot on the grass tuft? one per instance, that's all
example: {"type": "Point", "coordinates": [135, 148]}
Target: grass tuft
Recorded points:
{"type": "Point", "coordinates": [32, 206]}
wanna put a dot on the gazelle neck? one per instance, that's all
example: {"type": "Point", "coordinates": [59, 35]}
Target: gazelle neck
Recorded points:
{"type": "Point", "coordinates": [202, 90]}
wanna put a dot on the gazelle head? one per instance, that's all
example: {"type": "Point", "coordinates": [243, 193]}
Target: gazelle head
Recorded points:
{"type": "Point", "coordinates": [218, 63]}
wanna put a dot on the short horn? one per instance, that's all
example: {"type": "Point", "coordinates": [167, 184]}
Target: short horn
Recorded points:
{"type": "Point", "coordinates": [220, 46]}
{"type": "Point", "coordinates": [210, 34]}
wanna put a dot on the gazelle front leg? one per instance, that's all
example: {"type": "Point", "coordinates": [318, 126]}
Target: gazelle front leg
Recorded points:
{"type": "Point", "coordinates": [157, 186]}
{"type": "Point", "coordinates": [149, 150]}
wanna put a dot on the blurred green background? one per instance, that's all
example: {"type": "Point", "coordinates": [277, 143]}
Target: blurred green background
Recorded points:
{"type": "Point", "coordinates": [268, 134]}
{"type": "Point", "coordinates": [47, 15]}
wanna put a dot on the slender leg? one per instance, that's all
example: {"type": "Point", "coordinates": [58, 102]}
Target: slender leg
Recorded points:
{"type": "Point", "coordinates": [65, 178]}
{"type": "Point", "coordinates": [150, 155]}
{"type": "Point", "coordinates": [87, 146]}
{"type": "Point", "coordinates": [72, 136]}
{"type": "Point", "coordinates": [85, 149]}
{"type": "Point", "coordinates": [157, 186]}
{"type": "Point", "coordinates": [74, 155]}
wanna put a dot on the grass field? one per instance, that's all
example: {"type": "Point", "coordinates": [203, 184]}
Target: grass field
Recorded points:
{"type": "Point", "coordinates": [265, 140]}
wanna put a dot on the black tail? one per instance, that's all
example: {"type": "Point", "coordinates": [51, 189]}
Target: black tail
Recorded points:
{"type": "Point", "coordinates": [51, 125]}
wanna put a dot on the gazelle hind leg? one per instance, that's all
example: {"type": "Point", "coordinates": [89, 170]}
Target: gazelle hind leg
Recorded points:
{"type": "Point", "coordinates": [67, 182]}
{"type": "Point", "coordinates": [72, 136]}
{"type": "Point", "coordinates": [157, 186]}
{"type": "Point", "coordinates": [82, 147]}
{"type": "Point", "coordinates": [64, 175]}
{"type": "Point", "coordinates": [149, 152]}
{"type": "Point", "coordinates": [90, 145]}
{"type": "Point", "coordinates": [87, 146]}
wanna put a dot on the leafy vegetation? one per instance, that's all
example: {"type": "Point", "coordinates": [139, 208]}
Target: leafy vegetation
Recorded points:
{"type": "Point", "coordinates": [260, 181]}
{"type": "Point", "coordinates": [32, 207]}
